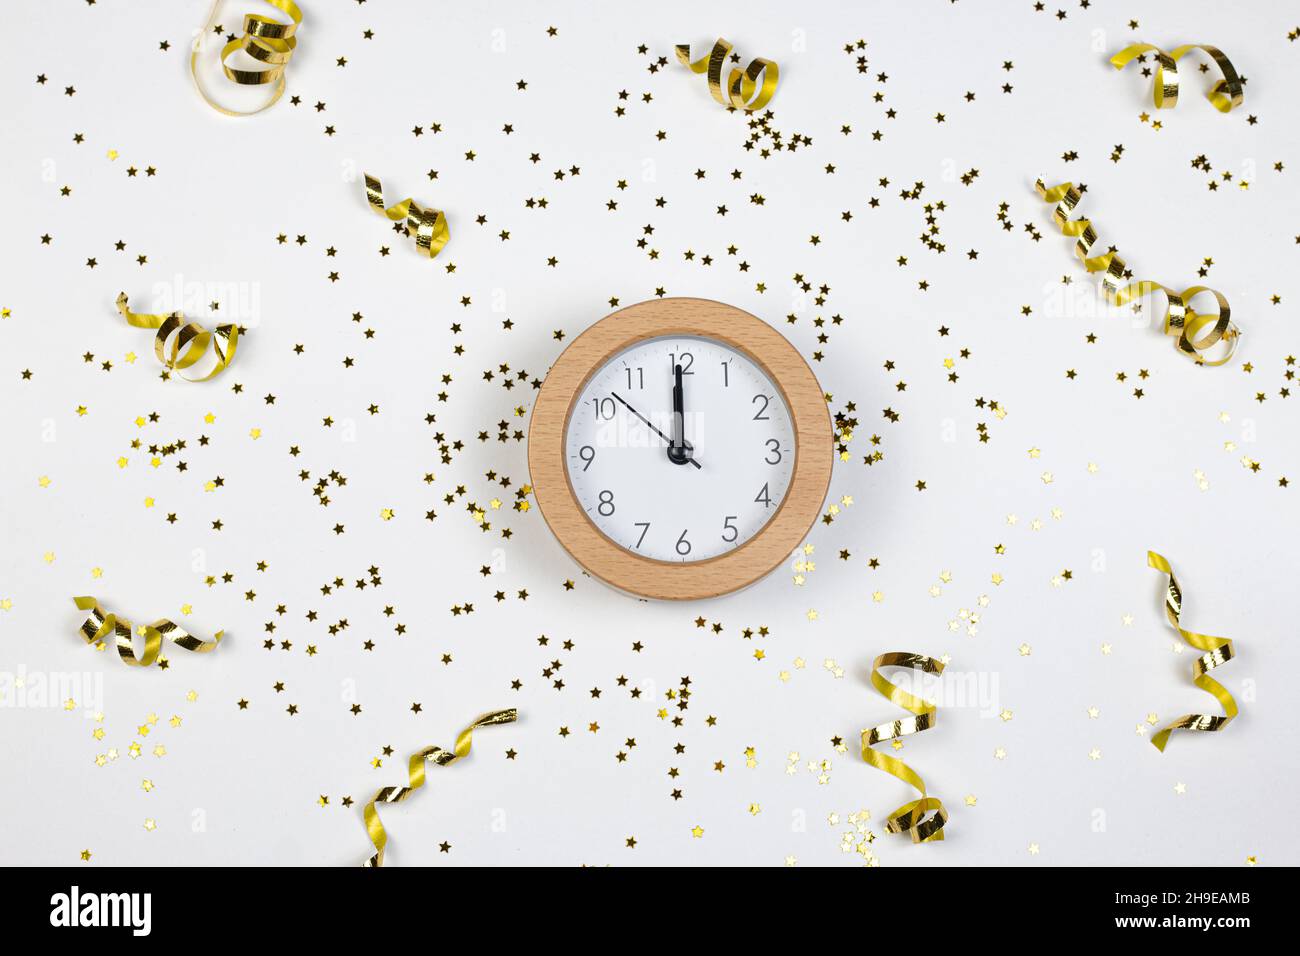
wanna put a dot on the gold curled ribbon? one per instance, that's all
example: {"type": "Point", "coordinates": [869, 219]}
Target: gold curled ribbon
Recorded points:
{"type": "Point", "coordinates": [1218, 650]}
{"type": "Point", "coordinates": [741, 84]}
{"type": "Point", "coordinates": [426, 225]}
{"type": "Point", "coordinates": [415, 774]}
{"type": "Point", "coordinates": [266, 40]}
{"type": "Point", "coordinates": [190, 341]}
{"type": "Point", "coordinates": [1226, 94]}
{"type": "Point", "coordinates": [99, 625]}
{"type": "Point", "coordinates": [910, 817]}
{"type": "Point", "coordinates": [1196, 333]}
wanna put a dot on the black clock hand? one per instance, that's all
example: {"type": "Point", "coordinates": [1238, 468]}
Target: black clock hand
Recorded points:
{"type": "Point", "coordinates": [679, 407]}
{"type": "Point", "coordinates": [624, 403]}
{"type": "Point", "coordinates": [678, 453]}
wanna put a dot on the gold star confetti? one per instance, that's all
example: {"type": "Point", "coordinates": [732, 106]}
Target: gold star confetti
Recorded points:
{"type": "Point", "coordinates": [841, 191]}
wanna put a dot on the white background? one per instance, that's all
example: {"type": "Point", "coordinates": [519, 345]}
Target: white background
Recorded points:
{"type": "Point", "coordinates": [242, 786]}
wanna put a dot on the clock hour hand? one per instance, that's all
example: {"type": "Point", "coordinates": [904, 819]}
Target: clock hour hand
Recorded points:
{"type": "Point", "coordinates": [619, 398]}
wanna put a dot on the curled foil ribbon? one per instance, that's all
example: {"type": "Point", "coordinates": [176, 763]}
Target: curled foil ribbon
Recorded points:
{"type": "Point", "coordinates": [1196, 333]}
{"type": "Point", "coordinates": [1218, 650]}
{"type": "Point", "coordinates": [269, 41]}
{"type": "Point", "coordinates": [99, 625]}
{"type": "Point", "coordinates": [426, 225]}
{"type": "Point", "coordinates": [910, 818]}
{"type": "Point", "coordinates": [179, 344]}
{"type": "Point", "coordinates": [741, 84]}
{"type": "Point", "coordinates": [1226, 94]}
{"type": "Point", "coordinates": [415, 774]}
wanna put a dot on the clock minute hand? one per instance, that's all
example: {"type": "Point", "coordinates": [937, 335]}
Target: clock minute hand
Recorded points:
{"type": "Point", "coordinates": [619, 398]}
{"type": "Point", "coordinates": [677, 447]}
{"type": "Point", "coordinates": [680, 450]}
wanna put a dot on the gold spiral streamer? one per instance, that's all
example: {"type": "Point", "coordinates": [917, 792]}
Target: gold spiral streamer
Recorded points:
{"type": "Point", "coordinates": [179, 344]}
{"type": "Point", "coordinates": [1218, 650]}
{"type": "Point", "coordinates": [910, 818]}
{"type": "Point", "coordinates": [1226, 94]}
{"type": "Point", "coordinates": [741, 84]}
{"type": "Point", "coordinates": [1195, 333]}
{"type": "Point", "coordinates": [426, 225]}
{"type": "Point", "coordinates": [99, 624]}
{"type": "Point", "coordinates": [415, 774]}
{"type": "Point", "coordinates": [269, 41]}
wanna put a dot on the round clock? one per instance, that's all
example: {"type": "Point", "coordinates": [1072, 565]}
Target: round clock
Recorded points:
{"type": "Point", "coordinates": [680, 449]}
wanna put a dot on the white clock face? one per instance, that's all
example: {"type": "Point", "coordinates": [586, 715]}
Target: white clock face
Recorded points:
{"type": "Point", "coordinates": [680, 487]}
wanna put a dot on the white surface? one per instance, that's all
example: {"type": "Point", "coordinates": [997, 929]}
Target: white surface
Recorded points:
{"type": "Point", "coordinates": [242, 786]}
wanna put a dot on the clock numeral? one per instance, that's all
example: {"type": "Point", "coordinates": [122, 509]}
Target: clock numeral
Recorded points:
{"type": "Point", "coordinates": [761, 414]}
{"type": "Point", "coordinates": [605, 408]}
{"type": "Point", "coordinates": [606, 505]}
{"type": "Point", "coordinates": [644, 526]}
{"type": "Point", "coordinates": [683, 546]}
{"type": "Point", "coordinates": [764, 497]}
{"type": "Point", "coordinates": [588, 455]}
{"type": "Point", "coordinates": [774, 456]}
{"type": "Point", "coordinates": [726, 373]}
{"type": "Point", "coordinates": [640, 377]}
{"type": "Point", "coordinates": [685, 360]}
{"type": "Point", "coordinates": [729, 528]}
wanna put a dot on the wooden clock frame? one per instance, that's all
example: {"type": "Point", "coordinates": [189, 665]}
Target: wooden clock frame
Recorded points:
{"type": "Point", "coordinates": [670, 580]}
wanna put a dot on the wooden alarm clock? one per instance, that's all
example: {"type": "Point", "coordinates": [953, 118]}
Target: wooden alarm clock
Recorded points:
{"type": "Point", "coordinates": [680, 449]}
